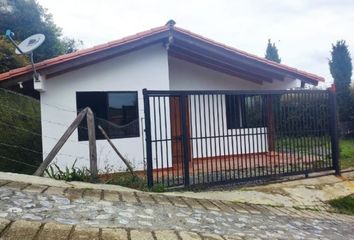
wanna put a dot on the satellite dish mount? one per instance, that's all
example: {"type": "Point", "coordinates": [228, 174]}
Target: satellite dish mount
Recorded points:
{"type": "Point", "coordinates": [27, 46]}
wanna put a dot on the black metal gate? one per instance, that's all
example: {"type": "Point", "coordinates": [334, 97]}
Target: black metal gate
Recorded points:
{"type": "Point", "coordinates": [209, 137]}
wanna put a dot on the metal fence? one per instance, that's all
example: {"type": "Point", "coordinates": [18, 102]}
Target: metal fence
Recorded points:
{"type": "Point", "coordinates": [210, 137]}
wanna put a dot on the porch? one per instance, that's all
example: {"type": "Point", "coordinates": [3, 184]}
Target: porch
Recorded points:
{"type": "Point", "coordinates": [243, 167]}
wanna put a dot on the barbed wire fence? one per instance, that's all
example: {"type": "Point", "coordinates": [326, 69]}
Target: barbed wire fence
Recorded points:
{"type": "Point", "coordinates": [21, 132]}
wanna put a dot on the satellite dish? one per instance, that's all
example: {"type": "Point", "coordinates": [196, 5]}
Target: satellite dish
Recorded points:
{"type": "Point", "coordinates": [30, 44]}
{"type": "Point", "coordinates": [27, 46]}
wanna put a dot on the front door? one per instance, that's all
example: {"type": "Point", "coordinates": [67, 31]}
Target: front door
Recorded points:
{"type": "Point", "coordinates": [176, 129]}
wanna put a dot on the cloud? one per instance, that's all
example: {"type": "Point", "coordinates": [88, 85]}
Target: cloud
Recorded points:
{"type": "Point", "coordinates": [303, 30]}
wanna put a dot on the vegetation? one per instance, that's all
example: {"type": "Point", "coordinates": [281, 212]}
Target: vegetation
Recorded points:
{"type": "Point", "coordinates": [272, 52]}
{"type": "Point", "coordinates": [70, 174]}
{"type": "Point", "coordinates": [9, 60]}
{"type": "Point", "coordinates": [25, 18]}
{"type": "Point", "coordinates": [344, 205]}
{"type": "Point", "coordinates": [20, 138]}
{"type": "Point", "coordinates": [303, 144]}
{"type": "Point", "coordinates": [346, 147]}
{"type": "Point", "coordinates": [136, 182]}
{"type": "Point", "coordinates": [341, 70]}
{"type": "Point", "coordinates": [125, 179]}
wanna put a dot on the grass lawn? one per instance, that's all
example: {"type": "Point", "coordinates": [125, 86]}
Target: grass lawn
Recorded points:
{"type": "Point", "coordinates": [343, 205]}
{"type": "Point", "coordinates": [346, 147]}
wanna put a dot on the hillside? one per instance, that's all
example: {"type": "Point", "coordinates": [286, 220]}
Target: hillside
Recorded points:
{"type": "Point", "coordinates": [20, 133]}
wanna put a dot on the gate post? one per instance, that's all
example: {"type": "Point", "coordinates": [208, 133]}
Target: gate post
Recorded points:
{"type": "Point", "coordinates": [185, 143]}
{"type": "Point", "coordinates": [150, 180]}
{"type": "Point", "coordinates": [334, 132]}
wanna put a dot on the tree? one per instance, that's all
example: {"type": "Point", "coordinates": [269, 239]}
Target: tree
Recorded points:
{"type": "Point", "coordinates": [25, 18]}
{"type": "Point", "coordinates": [272, 52]}
{"type": "Point", "coordinates": [341, 70]}
{"type": "Point", "coordinates": [9, 60]}
{"type": "Point", "coordinates": [71, 45]}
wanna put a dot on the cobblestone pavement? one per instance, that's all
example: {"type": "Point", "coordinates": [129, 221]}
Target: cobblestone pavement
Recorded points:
{"type": "Point", "coordinates": [45, 212]}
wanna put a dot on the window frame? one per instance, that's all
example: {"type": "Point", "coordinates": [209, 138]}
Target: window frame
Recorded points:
{"type": "Point", "coordinates": [242, 122]}
{"type": "Point", "coordinates": [82, 138]}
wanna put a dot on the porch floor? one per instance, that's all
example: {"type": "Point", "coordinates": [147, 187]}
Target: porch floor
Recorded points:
{"type": "Point", "coordinates": [260, 164]}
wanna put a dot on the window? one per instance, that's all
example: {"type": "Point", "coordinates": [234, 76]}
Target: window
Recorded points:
{"type": "Point", "coordinates": [244, 111]}
{"type": "Point", "coordinates": [116, 112]}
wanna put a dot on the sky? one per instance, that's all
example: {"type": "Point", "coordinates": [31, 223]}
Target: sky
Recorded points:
{"type": "Point", "coordinates": [303, 30]}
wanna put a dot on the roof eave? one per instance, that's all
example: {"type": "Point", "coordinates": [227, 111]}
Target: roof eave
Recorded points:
{"type": "Point", "coordinates": [231, 55]}
{"type": "Point", "coordinates": [85, 59]}
{"type": "Point", "coordinates": [182, 38]}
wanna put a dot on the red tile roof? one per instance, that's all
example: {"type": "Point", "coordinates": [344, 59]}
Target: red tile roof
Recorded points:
{"type": "Point", "coordinates": [71, 56]}
{"type": "Point", "coordinates": [99, 48]}
{"type": "Point", "coordinates": [251, 56]}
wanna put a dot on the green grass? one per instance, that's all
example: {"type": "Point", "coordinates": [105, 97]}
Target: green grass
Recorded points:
{"type": "Point", "coordinates": [302, 145]}
{"type": "Point", "coordinates": [20, 133]}
{"type": "Point", "coordinates": [346, 147]}
{"type": "Point", "coordinates": [136, 182]}
{"type": "Point", "coordinates": [69, 174]}
{"type": "Point", "coordinates": [343, 205]}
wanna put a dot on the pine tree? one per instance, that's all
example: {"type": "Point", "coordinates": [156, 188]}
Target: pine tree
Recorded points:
{"type": "Point", "coordinates": [272, 52]}
{"type": "Point", "coordinates": [341, 70]}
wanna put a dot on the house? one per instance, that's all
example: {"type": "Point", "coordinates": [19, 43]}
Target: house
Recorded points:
{"type": "Point", "coordinates": [110, 78]}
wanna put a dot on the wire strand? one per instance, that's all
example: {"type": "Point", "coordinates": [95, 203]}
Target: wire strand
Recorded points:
{"type": "Point", "coordinates": [38, 119]}
{"type": "Point", "coordinates": [20, 147]}
{"type": "Point", "coordinates": [14, 160]}
{"type": "Point", "coordinates": [37, 134]}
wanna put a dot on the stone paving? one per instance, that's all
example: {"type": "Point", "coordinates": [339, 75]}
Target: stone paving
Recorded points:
{"type": "Point", "coordinates": [34, 211]}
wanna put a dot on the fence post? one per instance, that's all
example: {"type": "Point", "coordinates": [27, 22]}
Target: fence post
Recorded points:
{"type": "Point", "coordinates": [92, 144]}
{"type": "Point", "coordinates": [150, 179]}
{"type": "Point", "coordinates": [334, 132]}
{"type": "Point", "coordinates": [60, 143]}
{"type": "Point", "coordinates": [130, 168]}
{"type": "Point", "coordinates": [185, 143]}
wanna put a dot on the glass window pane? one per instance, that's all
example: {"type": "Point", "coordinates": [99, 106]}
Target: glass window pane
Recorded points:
{"type": "Point", "coordinates": [116, 112]}
{"type": "Point", "coordinates": [97, 101]}
{"type": "Point", "coordinates": [123, 114]}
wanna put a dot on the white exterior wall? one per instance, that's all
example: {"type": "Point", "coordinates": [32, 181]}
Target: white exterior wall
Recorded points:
{"type": "Point", "coordinates": [188, 76]}
{"type": "Point", "coordinates": [145, 68]}
{"type": "Point", "coordinates": [149, 68]}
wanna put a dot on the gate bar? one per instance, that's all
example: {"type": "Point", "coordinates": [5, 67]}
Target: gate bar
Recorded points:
{"type": "Point", "coordinates": [150, 178]}
{"type": "Point", "coordinates": [185, 141]}
{"type": "Point", "coordinates": [334, 132]}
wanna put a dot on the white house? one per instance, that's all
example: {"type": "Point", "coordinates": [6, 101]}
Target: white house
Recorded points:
{"type": "Point", "coordinates": [110, 77]}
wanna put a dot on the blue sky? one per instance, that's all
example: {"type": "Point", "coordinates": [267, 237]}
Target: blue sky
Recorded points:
{"type": "Point", "coordinates": [303, 30]}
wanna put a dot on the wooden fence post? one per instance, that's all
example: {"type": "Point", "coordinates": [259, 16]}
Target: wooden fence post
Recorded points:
{"type": "Point", "coordinates": [60, 143]}
{"type": "Point", "coordinates": [92, 144]}
{"type": "Point", "coordinates": [116, 150]}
